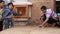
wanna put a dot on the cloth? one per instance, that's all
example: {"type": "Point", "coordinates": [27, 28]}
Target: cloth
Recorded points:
{"type": "Point", "coordinates": [1, 13]}
{"type": "Point", "coordinates": [50, 21]}
{"type": "Point", "coordinates": [1, 25]}
{"type": "Point", "coordinates": [7, 21]}
{"type": "Point", "coordinates": [48, 13]}
{"type": "Point", "coordinates": [8, 12]}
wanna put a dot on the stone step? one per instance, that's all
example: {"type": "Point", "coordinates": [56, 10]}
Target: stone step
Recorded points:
{"type": "Point", "coordinates": [20, 23]}
{"type": "Point", "coordinates": [20, 19]}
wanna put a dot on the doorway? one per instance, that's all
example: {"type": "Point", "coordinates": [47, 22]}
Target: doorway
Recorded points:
{"type": "Point", "coordinates": [58, 6]}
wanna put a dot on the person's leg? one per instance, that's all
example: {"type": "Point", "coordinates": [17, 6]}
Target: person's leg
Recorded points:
{"type": "Point", "coordinates": [48, 22]}
{"type": "Point", "coordinates": [54, 22]}
{"type": "Point", "coordinates": [1, 25]}
{"type": "Point", "coordinates": [5, 24]}
{"type": "Point", "coordinates": [43, 18]}
{"type": "Point", "coordinates": [51, 22]}
{"type": "Point", "coordinates": [10, 23]}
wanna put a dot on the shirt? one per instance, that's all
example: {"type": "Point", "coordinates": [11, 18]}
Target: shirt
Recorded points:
{"type": "Point", "coordinates": [48, 13]}
{"type": "Point", "coordinates": [8, 12]}
{"type": "Point", "coordinates": [1, 13]}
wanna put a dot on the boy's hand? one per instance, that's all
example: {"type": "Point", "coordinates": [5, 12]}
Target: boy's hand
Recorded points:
{"type": "Point", "coordinates": [11, 16]}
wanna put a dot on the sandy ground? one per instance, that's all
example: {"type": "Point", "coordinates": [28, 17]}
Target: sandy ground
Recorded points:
{"type": "Point", "coordinates": [31, 30]}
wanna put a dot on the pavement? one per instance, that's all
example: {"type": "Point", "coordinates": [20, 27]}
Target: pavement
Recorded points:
{"type": "Point", "coordinates": [31, 30]}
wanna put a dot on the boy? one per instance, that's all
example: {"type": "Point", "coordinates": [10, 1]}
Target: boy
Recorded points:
{"type": "Point", "coordinates": [49, 16]}
{"type": "Point", "coordinates": [3, 5]}
{"type": "Point", "coordinates": [8, 15]}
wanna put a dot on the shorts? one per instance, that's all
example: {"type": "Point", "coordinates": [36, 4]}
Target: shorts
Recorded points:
{"type": "Point", "coordinates": [51, 21]}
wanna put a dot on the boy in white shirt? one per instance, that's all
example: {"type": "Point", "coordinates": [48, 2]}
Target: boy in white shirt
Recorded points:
{"type": "Point", "coordinates": [49, 16]}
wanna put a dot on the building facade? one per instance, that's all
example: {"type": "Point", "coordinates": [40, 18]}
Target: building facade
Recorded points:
{"type": "Point", "coordinates": [33, 8]}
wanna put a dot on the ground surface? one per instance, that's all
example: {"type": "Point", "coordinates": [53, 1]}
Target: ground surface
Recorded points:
{"type": "Point", "coordinates": [31, 30]}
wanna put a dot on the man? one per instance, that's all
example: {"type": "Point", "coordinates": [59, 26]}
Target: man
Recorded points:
{"type": "Point", "coordinates": [8, 15]}
{"type": "Point", "coordinates": [1, 13]}
{"type": "Point", "coordinates": [49, 16]}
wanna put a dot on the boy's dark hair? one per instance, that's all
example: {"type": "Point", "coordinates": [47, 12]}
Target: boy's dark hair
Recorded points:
{"type": "Point", "coordinates": [2, 1]}
{"type": "Point", "coordinates": [43, 7]}
{"type": "Point", "coordinates": [10, 4]}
